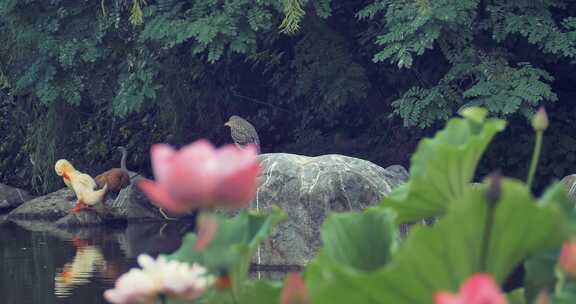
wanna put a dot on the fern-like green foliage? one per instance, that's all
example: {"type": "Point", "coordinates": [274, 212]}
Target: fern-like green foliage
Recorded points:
{"type": "Point", "coordinates": [311, 67]}
{"type": "Point", "coordinates": [476, 39]}
{"type": "Point", "coordinates": [535, 21]}
{"type": "Point", "coordinates": [294, 14]}
{"type": "Point", "coordinates": [136, 15]}
{"type": "Point", "coordinates": [413, 27]}
{"type": "Point", "coordinates": [136, 86]}
{"type": "Point", "coordinates": [52, 57]}
{"type": "Point", "coordinates": [497, 86]}
{"type": "Point", "coordinates": [214, 29]}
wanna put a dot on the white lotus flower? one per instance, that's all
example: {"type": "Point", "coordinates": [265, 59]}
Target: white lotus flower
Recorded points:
{"type": "Point", "coordinates": [160, 276]}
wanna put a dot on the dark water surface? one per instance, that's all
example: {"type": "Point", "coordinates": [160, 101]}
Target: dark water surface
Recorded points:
{"type": "Point", "coordinates": [44, 264]}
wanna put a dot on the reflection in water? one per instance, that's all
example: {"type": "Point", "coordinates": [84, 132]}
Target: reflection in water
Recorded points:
{"type": "Point", "coordinates": [46, 264]}
{"type": "Point", "coordinates": [153, 238]}
{"type": "Point", "coordinates": [42, 263]}
{"type": "Point", "coordinates": [79, 271]}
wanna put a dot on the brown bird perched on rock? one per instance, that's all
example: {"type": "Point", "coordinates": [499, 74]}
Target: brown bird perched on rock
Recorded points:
{"type": "Point", "coordinates": [116, 178]}
{"type": "Point", "coordinates": [243, 133]}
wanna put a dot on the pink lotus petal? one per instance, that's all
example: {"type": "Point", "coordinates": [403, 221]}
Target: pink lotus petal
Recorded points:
{"type": "Point", "coordinates": [231, 158]}
{"type": "Point", "coordinates": [237, 190]}
{"type": "Point", "coordinates": [196, 153]}
{"type": "Point", "coordinates": [162, 156]}
{"type": "Point", "coordinates": [238, 157]}
{"type": "Point", "coordinates": [481, 288]}
{"type": "Point", "coordinates": [195, 184]}
{"type": "Point", "coordinates": [239, 180]}
{"type": "Point", "coordinates": [443, 297]}
{"type": "Point", "coordinates": [160, 196]}
{"type": "Point", "coordinates": [567, 259]}
{"type": "Point", "coordinates": [478, 289]}
{"type": "Point", "coordinates": [198, 175]}
{"type": "Point", "coordinates": [294, 291]}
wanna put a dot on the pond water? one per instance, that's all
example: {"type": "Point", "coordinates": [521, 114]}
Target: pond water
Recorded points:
{"type": "Point", "coordinates": [42, 264]}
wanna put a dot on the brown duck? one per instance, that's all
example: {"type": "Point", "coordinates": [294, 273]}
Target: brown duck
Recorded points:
{"type": "Point", "coordinates": [116, 178]}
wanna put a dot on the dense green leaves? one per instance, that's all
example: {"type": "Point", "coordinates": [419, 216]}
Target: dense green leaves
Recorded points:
{"type": "Point", "coordinates": [540, 267]}
{"type": "Point", "coordinates": [260, 292]}
{"type": "Point", "coordinates": [187, 65]}
{"type": "Point", "coordinates": [516, 296]}
{"type": "Point", "coordinates": [443, 256]}
{"type": "Point", "coordinates": [442, 168]}
{"type": "Point", "coordinates": [566, 294]}
{"type": "Point", "coordinates": [252, 292]}
{"type": "Point", "coordinates": [475, 39]}
{"type": "Point", "coordinates": [81, 76]}
{"type": "Point", "coordinates": [233, 246]}
{"type": "Point", "coordinates": [413, 28]}
{"type": "Point", "coordinates": [540, 272]}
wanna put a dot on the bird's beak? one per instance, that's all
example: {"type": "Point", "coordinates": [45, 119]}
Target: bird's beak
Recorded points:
{"type": "Point", "coordinates": [227, 123]}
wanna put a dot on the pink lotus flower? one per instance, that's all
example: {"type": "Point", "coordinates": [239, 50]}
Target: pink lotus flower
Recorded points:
{"type": "Point", "coordinates": [568, 258]}
{"type": "Point", "coordinates": [478, 289]}
{"type": "Point", "coordinates": [199, 176]}
{"type": "Point", "coordinates": [295, 291]}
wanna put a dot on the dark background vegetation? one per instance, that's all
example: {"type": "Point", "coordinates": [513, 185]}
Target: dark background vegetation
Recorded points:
{"type": "Point", "coordinates": [362, 78]}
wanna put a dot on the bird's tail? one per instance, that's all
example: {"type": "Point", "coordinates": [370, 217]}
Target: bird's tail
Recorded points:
{"type": "Point", "coordinates": [93, 197]}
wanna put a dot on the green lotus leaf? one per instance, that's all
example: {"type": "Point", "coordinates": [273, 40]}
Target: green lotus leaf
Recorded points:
{"type": "Point", "coordinates": [442, 167]}
{"type": "Point", "coordinates": [235, 242]}
{"type": "Point", "coordinates": [475, 236]}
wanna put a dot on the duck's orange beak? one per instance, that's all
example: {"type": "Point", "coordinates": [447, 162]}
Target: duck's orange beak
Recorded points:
{"type": "Point", "coordinates": [65, 175]}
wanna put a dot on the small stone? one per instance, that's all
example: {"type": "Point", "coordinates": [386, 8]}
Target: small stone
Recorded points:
{"type": "Point", "coordinates": [11, 197]}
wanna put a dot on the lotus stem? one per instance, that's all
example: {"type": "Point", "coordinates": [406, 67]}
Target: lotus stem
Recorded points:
{"type": "Point", "coordinates": [488, 223]}
{"type": "Point", "coordinates": [535, 158]}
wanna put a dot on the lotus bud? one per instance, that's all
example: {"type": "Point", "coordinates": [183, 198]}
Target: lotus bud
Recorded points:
{"type": "Point", "coordinates": [540, 120]}
{"type": "Point", "coordinates": [568, 258]}
{"type": "Point", "coordinates": [494, 187]}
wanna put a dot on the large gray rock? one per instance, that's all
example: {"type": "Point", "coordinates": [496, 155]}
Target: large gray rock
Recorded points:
{"type": "Point", "coordinates": [308, 189]}
{"type": "Point", "coordinates": [129, 205]}
{"type": "Point", "coordinates": [569, 182]}
{"type": "Point", "coordinates": [11, 197]}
